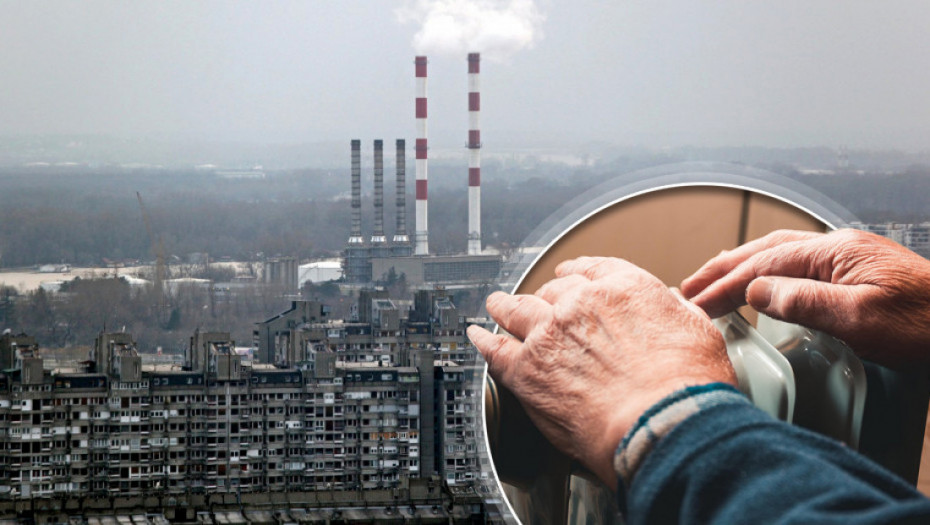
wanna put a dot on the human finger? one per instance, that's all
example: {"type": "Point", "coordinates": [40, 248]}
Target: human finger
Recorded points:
{"type": "Point", "coordinates": [518, 314]}
{"type": "Point", "coordinates": [822, 306]}
{"type": "Point", "coordinates": [499, 350]}
{"type": "Point", "coordinates": [596, 267]}
{"type": "Point", "coordinates": [798, 259]}
{"type": "Point", "coordinates": [559, 287]}
{"type": "Point", "coordinates": [727, 260]}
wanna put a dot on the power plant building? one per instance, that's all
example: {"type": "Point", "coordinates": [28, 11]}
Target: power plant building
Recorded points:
{"type": "Point", "coordinates": [374, 261]}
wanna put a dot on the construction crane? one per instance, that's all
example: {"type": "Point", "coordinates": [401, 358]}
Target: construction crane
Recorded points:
{"type": "Point", "coordinates": [158, 249]}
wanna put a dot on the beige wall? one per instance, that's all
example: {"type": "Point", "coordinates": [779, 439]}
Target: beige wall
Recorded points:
{"type": "Point", "coordinates": [671, 232]}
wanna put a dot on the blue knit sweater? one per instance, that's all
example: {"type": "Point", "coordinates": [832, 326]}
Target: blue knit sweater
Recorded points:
{"type": "Point", "coordinates": [706, 455]}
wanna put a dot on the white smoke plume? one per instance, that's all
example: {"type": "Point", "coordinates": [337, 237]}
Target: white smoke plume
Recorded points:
{"type": "Point", "coordinates": [495, 28]}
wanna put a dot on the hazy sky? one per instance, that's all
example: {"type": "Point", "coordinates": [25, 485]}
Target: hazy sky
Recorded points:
{"type": "Point", "coordinates": [655, 73]}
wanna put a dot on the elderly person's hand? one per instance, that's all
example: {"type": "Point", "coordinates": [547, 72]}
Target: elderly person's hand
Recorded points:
{"type": "Point", "coordinates": [862, 288]}
{"type": "Point", "coordinates": [593, 349]}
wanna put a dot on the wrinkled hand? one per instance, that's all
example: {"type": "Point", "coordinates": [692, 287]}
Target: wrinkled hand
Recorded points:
{"type": "Point", "coordinates": [600, 344]}
{"type": "Point", "coordinates": [862, 288]}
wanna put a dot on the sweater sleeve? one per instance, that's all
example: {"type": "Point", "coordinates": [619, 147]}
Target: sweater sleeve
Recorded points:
{"type": "Point", "coordinates": [722, 460]}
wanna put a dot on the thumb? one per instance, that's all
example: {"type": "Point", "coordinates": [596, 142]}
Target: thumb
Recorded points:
{"type": "Point", "coordinates": [814, 304]}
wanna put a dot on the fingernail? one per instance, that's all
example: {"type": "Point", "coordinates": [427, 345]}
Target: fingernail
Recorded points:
{"type": "Point", "coordinates": [759, 293]}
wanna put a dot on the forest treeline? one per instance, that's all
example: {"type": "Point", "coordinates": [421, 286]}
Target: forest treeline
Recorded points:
{"type": "Point", "coordinates": [83, 308]}
{"type": "Point", "coordinates": [88, 218]}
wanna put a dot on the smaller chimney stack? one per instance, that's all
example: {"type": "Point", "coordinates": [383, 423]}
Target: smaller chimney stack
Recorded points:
{"type": "Point", "coordinates": [356, 236]}
{"type": "Point", "coordinates": [377, 236]}
{"type": "Point", "coordinates": [400, 236]}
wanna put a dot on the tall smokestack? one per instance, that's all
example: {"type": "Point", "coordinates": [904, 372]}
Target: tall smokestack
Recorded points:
{"type": "Point", "coordinates": [378, 235]}
{"type": "Point", "coordinates": [474, 157]}
{"type": "Point", "coordinates": [356, 235]}
{"type": "Point", "coordinates": [400, 236]}
{"type": "Point", "coordinates": [421, 235]}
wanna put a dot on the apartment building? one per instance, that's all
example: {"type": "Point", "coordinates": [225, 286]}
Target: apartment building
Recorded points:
{"type": "Point", "coordinates": [384, 331]}
{"type": "Point", "coordinates": [348, 407]}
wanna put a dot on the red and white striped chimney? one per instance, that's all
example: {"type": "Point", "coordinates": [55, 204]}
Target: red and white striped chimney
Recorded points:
{"type": "Point", "coordinates": [474, 157]}
{"type": "Point", "coordinates": [421, 234]}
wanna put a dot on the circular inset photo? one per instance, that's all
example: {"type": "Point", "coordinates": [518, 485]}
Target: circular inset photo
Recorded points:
{"type": "Point", "coordinates": [670, 221]}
